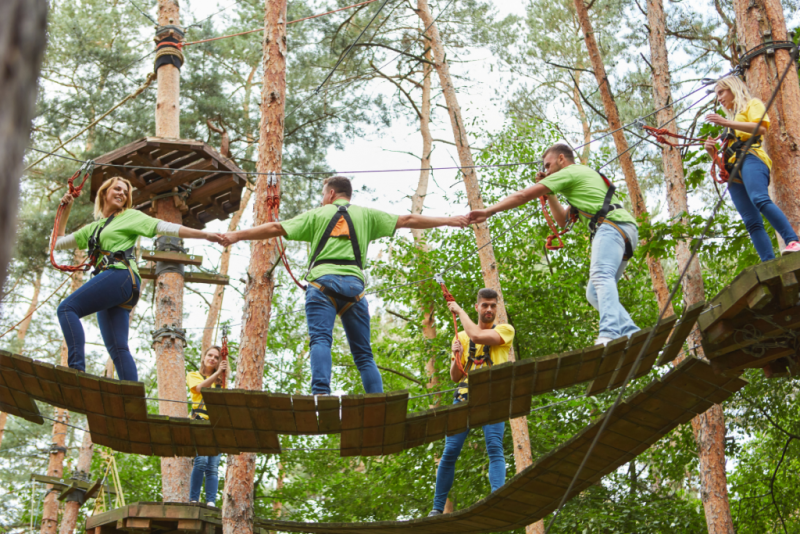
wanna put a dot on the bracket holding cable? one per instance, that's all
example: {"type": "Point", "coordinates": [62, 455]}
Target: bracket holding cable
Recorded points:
{"type": "Point", "coordinates": [171, 331]}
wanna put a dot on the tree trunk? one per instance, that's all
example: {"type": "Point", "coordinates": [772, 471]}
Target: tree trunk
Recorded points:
{"type": "Point", "coordinates": [70, 517]}
{"type": "Point", "coordinates": [170, 363]}
{"type": "Point", "coordinates": [224, 265]}
{"type": "Point", "coordinates": [23, 327]}
{"type": "Point", "coordinates": [219, 293]}
{"type": "Point", "coordinates": [23, 25]}
{"type": "Point", "coordinates": [758, 21]}
{"type": "Point", "coordinates": [58, 449]}
{"type": "Point", "coordinates": [237, 511]}
{"type": "Point", "coordinates": [625, 160]}
{"type": "Point", "coordinates": [3, 419]}
{"type": "Point", "coordinates": [491, 277]}
{"type": "Point", "coordinates": [708, 428]}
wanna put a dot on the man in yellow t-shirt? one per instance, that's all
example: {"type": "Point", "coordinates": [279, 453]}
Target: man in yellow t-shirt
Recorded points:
{"type": "Point", "coordinates": [479, 345]}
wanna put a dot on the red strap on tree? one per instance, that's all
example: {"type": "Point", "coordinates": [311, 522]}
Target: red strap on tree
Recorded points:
{"type": "Point", "coordinates": [223, 356]}
{"type": "Point", "coordinates": [717, 157]}
{"type": "Point", "coordinates": [86, 171]}
{"type": "Point", "coordinates": [273, 207]}
{"type": "Point", "coordinates": [449, 298]}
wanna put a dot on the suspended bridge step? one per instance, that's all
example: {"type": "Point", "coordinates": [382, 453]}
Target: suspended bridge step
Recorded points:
{"type": "Point", "coordinates": [755, 321]}
{"type": "Point", "coordinates": [689, 389]}
{"type": "Point", "coordinates": [370, 425]}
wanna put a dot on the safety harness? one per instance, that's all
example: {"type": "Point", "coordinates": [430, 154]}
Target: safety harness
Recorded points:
{"type": "Point", "coordinates": [733, 149]}
{"type": "Point", "coordinates": [336, 228]}
{"type": "Point", "coordinates": [97, 258]}
{"type": "Point", "coordinates": [473, 361]}
{"type": "Point", "coordinates": [595, 220]}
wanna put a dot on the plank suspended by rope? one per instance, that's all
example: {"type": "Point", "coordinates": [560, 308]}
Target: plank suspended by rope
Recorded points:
{"type": "Point", "coordinates": [75, 191]}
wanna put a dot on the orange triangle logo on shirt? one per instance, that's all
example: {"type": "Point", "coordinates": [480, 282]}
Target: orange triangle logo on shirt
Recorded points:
{"type": "Point", "coordinates": [341, 229]}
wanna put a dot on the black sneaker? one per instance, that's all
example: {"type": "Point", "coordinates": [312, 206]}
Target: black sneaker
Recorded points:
{"type": "Point", "coordinates": [435, 512]}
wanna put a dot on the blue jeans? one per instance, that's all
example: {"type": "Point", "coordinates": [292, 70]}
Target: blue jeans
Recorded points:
{"type": "Point", "coordinates": [321, 314]}
{"type": "Point", "coordinates": [606, 269]}
{"type": "Point", "coordinates": [493, 436]}
{"type": "Point", "coordinates": [208, 467]}
{"type": "Point", "coordinates": [751, 199]}
{"type": "Point", "coordinates": [102, 295]}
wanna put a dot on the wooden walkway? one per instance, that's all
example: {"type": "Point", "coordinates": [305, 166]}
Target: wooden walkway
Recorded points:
{"type": "Point", "coordinates": [642, 419]}
{"type": "Point", "coordinates": [370, 425]}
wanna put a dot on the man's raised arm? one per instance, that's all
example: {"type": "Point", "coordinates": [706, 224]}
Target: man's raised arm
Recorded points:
{"type": "Point", "coordinates": [264, 231]}
{"type": "Point", "coordinates": [512, 201]}
{"type": "Point", "coordinates": [422, 222]}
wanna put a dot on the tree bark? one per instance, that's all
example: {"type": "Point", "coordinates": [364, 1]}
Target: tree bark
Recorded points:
{"type": "Point", "coordinates": [58, 450]}
{"type": "Point", "coordinates": [26, 323]}
{"type": "Point", "coordinates": [23, 25]}
{"type": "Point", "coordinates": [237, 511]}
{"type": "Point", "coordinates": [625, 160]}
{"type": "Point", "coordinates": [491, 276]}
{"type": "Point", "coordinates": [756, 22]}
{"type": "Point", "coordinates": [3, 420]}
{"type": "Point", "coordinates": [708, 428]}
{"type": "Point", "coordinates": [170, 362]}
{"type": "Point", "coordinates": [70, 516]}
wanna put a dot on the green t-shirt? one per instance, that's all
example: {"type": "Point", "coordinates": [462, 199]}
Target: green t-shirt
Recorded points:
{"type": "Point", "coordinates": [310, 226]}
{"type": "Point", "coordinates": [585, 189]}
{"type": "Point", "coordinates": [121, 234]}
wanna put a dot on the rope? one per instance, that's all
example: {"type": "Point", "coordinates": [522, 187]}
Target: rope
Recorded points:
{"type": "Point", "coordinates": [717, 157]}
{"type": "Point", "coordinates": [223, 356]}
{"type": "Point", "coordinates": [137, 92]}
{"type": "Point", "coordinates": [37, 307]}
{"type": "Point", "coordinates": [290, 22]}
{"type": "Point", "coordinates": [75, 191]}
{"type": "Point", "coordinates": [449, 298]}
{"type": "Point", "coordinates": [273, 211]}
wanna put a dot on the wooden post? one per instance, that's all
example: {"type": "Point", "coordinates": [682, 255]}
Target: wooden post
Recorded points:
{"type": "Point", "coordinates": [58, 449]}
{"type": "Point", "coordinates": [23, 25]}
{"type": "Point", "coordinates": [170, 363]}
{"type": "Point", "coordinates": [625, 159]}
{"type": "Point", "coordinates": [758, 21]}
{"type": "Point", "coordinates": [237, 511]}
{"type": "Point", "coordinates": [491, 277]}
{"type": "Point", "coordinates": [709, 428]}
{"type": "Point", "coordinates": [70, 516]}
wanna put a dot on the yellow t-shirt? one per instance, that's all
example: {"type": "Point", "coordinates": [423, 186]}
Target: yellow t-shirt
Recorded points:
{"type": "Point", "coordinates": [497, 353]}
{"type": "Point", "coordinates": [192, 379]}
{"type": "Point", "coordinates": [752, 113]}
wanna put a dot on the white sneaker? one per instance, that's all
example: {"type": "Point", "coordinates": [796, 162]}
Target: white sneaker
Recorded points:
{"type": "Point", "coordinates": [211, 504]}
{"type": "Point", "coordinates": [602, 340]}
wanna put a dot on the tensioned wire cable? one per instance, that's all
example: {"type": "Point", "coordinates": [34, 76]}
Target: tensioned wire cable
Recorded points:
{"type": "Point", "coordinates": [635, 367]}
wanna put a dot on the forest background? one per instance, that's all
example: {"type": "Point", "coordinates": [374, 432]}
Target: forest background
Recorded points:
{"type": "Point", "coordinates": [521, 74]}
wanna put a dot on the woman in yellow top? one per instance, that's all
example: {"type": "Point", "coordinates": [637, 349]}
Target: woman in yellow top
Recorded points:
{"type": "Point", "coordinates": [750, 194]}
{"type": "Point", "coordinates": [209, 376]}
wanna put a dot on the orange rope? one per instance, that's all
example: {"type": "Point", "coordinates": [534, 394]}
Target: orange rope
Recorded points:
{"type": "Point", "coordinates": [448, 297]}
{"type": "Point", "coordinates": [717, 157]}
{"type": "Point", "coordinates": [290, 22]}
{"type": "Point", "coordinates": [86, 171]}
{"type": "Point", "coordinates": [273, 207]}
{"type": "Point", "coordinates": [223, 356]}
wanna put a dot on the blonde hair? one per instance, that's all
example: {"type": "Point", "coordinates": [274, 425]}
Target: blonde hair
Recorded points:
{"type": "Point", "coordinates": [203, 369]}
{"type": "Point", "coordinates": [741, 94]}
{"type": "Point", "coordinates": [100, 199]}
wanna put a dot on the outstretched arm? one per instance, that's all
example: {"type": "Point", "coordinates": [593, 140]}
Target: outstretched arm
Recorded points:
{"type": "Point", "coordinates": [264, 231]}
{"type": "Point", "coordinates": [512, 201]}
{"type": "Point", "coordinates": [422, 222]}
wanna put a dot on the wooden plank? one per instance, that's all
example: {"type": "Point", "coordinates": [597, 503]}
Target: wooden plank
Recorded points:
{"type": "Point", "coordinates": [732, 299]}
{"type": "Point", "coordinates": [500, 395]}
{"type": "Point", "coordinates": [172, 257]}
{"type": "Point", "coordinates": [612, 358]}
{"type": "Point", "coordinates": [681, 332]}
{"type": "Point", "coordinates": [329, 420]}
{"type": "Point", "coordinates": [789, 290]}
{"type": "Point", "coordinates": [480, 390]}
{"type": "Point", "coordinates": [149, 273]}
{"type": "Point", "coordinates": [305, 414]}
{"type": "Point", "coordinates": [759, 298]}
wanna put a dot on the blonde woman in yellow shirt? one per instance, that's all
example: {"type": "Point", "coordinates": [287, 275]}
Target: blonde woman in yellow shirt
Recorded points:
{"type": "Point", "coordinates": [209, 376]}
{"type": "Point", "coordinates": [750, 190]}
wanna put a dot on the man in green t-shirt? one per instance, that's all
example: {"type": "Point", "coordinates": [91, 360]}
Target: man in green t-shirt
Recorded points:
{"type": "Point", "coordinates": [614, 238]}
{"type": "Point", "coordinates": [339, 235]}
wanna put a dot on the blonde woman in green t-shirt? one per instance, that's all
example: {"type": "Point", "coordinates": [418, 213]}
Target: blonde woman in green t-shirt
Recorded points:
{"type": "Point", "coordinates": [613, 241]}
{"type": "Point", "coordinates": [110, 294]}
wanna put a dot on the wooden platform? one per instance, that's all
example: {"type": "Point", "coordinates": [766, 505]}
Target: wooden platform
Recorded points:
{"type": "Point", "coordinates": [641, 420]}
{"type": "Point", "coordinates": [177, 163]}
{"type": "Point", "coordinates": [370, 425]}
{"type": "Point", "coordinates": [755, 321]}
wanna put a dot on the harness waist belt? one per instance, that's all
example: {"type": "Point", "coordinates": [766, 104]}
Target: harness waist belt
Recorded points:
{"type": "Point", "coordinates": [335, 295]}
